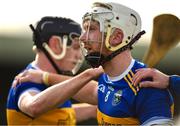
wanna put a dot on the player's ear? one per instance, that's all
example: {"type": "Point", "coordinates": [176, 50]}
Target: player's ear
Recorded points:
{"type": "Point", "coordinates": [55, 43]}
{"type": "Point", "coordinates": [116, 37]}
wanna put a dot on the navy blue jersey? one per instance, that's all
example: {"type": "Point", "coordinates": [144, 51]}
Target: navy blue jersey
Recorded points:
{"type": "Point", "coordinates": [62, 115]}
{"type": "Point", "coordinates": [120, 103]}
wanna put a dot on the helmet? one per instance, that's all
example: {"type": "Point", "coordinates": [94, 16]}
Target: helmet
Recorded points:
{"type": "Point", "coordinates": [49, 26]}
{"type": "Point", "coordinates": [65, 28]}
{"type": "Point", "coordinates": [59, 26]}
{"type": "Point", "coordinates": [113, 15]}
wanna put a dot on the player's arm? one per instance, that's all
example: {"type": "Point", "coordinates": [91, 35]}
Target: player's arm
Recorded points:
{"type": "Point", "coordinates": [88, 94]}
{"type": "Point", "coordinates": [84, 111]}
{"type": "Point", "coordinates": [36, 104]}
{"type": "Point", "coordinates": [39, 77]}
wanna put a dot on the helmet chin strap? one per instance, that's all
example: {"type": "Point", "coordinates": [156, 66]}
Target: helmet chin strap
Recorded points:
{"type": "Point", "coordinates": [115, 53]}
{"type": "Point", "coordinates": [49, 53]}
{"type": "Point", "coordinates": [58, 70]}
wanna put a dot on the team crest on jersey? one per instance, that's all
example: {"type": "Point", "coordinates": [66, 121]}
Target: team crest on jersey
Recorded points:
{"type": "Point", "coordinates": [117, 98]}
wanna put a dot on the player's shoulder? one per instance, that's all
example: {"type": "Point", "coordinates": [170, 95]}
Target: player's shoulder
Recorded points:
{"type": "Point", "coordinates": [138, 64]}
{"type": "Point", "coordinates": [152, 94]}
{"type": "Point", "coordinates": [151, 91]}
{"type": "Point", "coordinates": [27, 85]}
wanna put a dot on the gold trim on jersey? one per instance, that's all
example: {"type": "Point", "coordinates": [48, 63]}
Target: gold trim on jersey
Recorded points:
{"type": "Point", "coordinates": [172, 109]}
{"type": "Point", "coordinates": [132, 74]}
{"type": "Point", "coordinates": [108, 120]}
{"type": "Point", "coordinates": [128, 79]}
{"type": "Point", "coordinates": [64, 116]}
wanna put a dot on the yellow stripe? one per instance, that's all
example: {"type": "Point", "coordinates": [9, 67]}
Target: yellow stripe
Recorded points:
{"type": "Point", "coordinates": [132, 74]}
{"type": "Point", "coordinates": [172, 109]}
{"type": "Point", "coordinates": [135, 92]}
{"type": "Point", "coordinates": [130, 78]}
{"type": "Point", "coordinates": [107, 120]}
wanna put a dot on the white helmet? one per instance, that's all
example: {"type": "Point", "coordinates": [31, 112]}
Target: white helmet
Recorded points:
{"type": "Point", "coordinates": [113, 15]}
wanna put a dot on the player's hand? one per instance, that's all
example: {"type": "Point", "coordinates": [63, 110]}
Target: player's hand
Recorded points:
{"type": "Point", "coordinates": [95, 72]}
{"type": "Point", "coordinates": [30, 75]}
{"type": "Point", "coordinates": [159, 80]}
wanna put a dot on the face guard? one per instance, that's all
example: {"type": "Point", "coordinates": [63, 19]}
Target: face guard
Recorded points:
{"type": "Point", "coordinates": [111, 16]}
{"type": "Point", "coordinates": [75, 37]}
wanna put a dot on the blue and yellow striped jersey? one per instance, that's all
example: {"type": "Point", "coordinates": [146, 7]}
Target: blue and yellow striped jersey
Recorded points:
{"type": "Point", "coordinates": [119, 103]}
{"type": "Point", "coordinates": [62, 115]}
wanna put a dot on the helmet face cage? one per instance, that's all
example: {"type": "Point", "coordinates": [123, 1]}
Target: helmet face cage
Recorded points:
{"type": "Point", "coordinates": [73, 36]}
{"type": "Point", "coordinates": [111, 16]}
{"type": "Point", "coordinates": [93, 17]}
